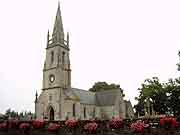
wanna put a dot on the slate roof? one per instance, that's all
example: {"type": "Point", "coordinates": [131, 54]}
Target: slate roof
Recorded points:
{"type": "Point", "coordinates": [106, 98]}
{"type": "Point", "coordinates": [86, 97]}
{"type": "Point", "coordinates": [103, 98]}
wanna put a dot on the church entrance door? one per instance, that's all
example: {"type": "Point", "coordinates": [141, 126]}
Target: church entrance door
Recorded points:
{"type": "Point", "coordinates": [51, 113]}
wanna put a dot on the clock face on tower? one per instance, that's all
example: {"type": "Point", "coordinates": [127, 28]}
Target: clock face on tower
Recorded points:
{"type": "Point", "coordinates": [51, 78]}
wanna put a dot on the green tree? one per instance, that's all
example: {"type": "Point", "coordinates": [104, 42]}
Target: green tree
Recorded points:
{"type": "Point", "coordinates": [152, 91]}
{"type": "Point", "coordinates": [173, 93]}
{"type": "Point", "coordinates": [11, 113]}
{"type": "Point", "coordinates": [102, 86]}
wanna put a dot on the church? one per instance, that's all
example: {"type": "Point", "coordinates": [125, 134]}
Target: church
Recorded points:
{"type": "Point", "coordinates": [59, 101]}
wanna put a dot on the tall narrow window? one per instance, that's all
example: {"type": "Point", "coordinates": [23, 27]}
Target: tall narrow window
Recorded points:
{"type": "Point", "coordinates": [74, 110]}
{"type": "Point", "coordinates": [84, 112]}
{"type": "Point", "coordinates": [63, 57]}
{"type": "Point", "coordinates": [94, 112]}
{"type": "Point", "coordinates": [52, 57]}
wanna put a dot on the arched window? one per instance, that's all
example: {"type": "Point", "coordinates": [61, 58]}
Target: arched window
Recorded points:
{"type": "Point", "coordinates": [52, 57]}
{"type": "Point", "coordinates": [84, 112]}
{"type": "Point", "coordinates": [74, 110]}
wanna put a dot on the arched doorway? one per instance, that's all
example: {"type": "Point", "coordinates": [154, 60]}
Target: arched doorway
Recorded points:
{"type": "Point", "coordinates": [51, 113]}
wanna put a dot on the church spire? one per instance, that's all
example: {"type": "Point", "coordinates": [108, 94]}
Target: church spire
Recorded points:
{"type": "Point", "coordinates": [58, 32]}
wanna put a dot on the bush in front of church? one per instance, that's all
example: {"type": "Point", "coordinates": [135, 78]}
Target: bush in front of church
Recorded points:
{"type": "Point", "coordinates": [138, 126]}
{"type": "Point", "coordinates": [168, 122]}
{"type": "Point", "coordinates": [54, 127]}
{"type": "Point", "coordinates": [91, 127]}
{"type": "Point", "coordinates": [13, 123]}
{"type": "Point", "coordinates": [116, 123]}
{"type": "Point", "coordinates": [71, 123]}
{"type": "Point", "coordinates": [3, 126]}
{"type": "Point", "coordinates": [24, 127]}
{"type": "Point", "coordinates": [37, 124]}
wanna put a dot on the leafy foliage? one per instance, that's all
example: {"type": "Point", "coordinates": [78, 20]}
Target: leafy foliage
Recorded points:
{"type": "Point", "coordinates": [164, 97]}
{"type": "Point", "coordinates": [102, 86]}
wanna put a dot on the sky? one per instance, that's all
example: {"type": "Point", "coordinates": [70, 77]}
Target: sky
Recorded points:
{"type": "Point", "coordinates": [117, 41]}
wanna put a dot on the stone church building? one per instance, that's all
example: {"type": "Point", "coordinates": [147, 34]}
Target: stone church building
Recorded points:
{"type": "Point", "coordinates": [59, 101]}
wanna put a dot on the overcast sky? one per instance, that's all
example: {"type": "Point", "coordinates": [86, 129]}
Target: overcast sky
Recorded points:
{"type": "Point", "coordinates": [117, 41]}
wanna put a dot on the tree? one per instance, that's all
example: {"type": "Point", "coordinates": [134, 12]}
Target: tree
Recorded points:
{"type": "Point", "coordinates": [178, 64]}
{"type": "Point", "coordinates": [173, 93]}
{"type": "Point", "coordinates": [21, 115]}
{"type": "Point", "coordinates": [11, 113]}
{"type": "Point", "coordinates": [152, 91]}
{"type": "Point", "coordinates": [103, 86]}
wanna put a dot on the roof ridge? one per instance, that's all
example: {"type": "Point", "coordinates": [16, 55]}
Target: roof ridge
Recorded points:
{"type": "Point", "coordinates": [106, 91]}
{"type": "Point", "coordinates": [83, 90]}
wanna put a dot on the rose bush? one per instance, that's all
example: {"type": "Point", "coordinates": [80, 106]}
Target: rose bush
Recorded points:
{"type": "Point", "coordinates": [24, 126]}
{"type": "Point", "coordinates": [14, 123]}
{"type": "Point", "coordinates": [37, 124]}
{"type": "Point", "coordinates": [91, 127]}
{"type": "Point", "coordinates": [71, 123]}
{"type": "Point", "coordinates": [138, 126]}
{"type": "Point", "coordinates": [53, 127]}
{"type": "Point", "coordinates": [168, 122]}
{"type": "Point", "coordinates": [116, 123]}
{"type": "Point", "coordinates": [3, 126]}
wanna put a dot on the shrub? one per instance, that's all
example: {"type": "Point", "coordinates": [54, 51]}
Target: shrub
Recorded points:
{"type": "Point", "coordinates": [37, 124]}
{"type": "Point", "coordinates": [3, 126]}
{"type": "Point", "coordinates": [91, 127]}
{"type": "Point", "coordinates": [53, 127]}
{"type": "Point", "coordinates": [24, 126]}
{"type": "Point", "coordinates": [71, 123]}
{"type": "Point", "coordinates": [14, 123]}
{"type": "Point", "coordinates": [138, 126]}
{"type": "Point", "coordinates": [116, 123]}
{"type": "Point", "coordinates": [168, 122]}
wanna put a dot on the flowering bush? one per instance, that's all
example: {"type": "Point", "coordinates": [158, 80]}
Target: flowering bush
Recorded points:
{"type": "Point", "coordinates": [91, 127]}
{"type": "Point", "coordinates": [71, 123]}
{"type": "Point", "coordinates": [116, 123]}
{"type": "Point", "coordinates": [3, 126]}
{"type": "Point", "coordinates": [53, 127]}
{"type": "Point", "coordinates": [168, 122]}
{"type": "Point", "coordinates": [24, 126]}
{"type": "Point", "coordinates": [37, 124]}
{"type": "Point", "coordinates": [14, 123]}
{"type": "Point", "coordinates": [138, 127]}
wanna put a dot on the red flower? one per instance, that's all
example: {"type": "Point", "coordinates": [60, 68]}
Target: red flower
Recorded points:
{"type": "Point", "coordinates": [91, 127]}
{"type": "Point", "coordinates": [138, 127]}
{"type": "Point", "coordinates": [24, 126]}
{"type": "Point", "coordinates": [71, 123]}
{"type": "Point", "coordinates": [116, 123]}
{"type": "Point", "coordinates": [13, 123]}
{"type": "Point", "coordinates": [54, 127]}
{"type": "Point", "coordinates": [3, 126]}
{"type": "Point", "coordinates": [168, 122]}
{"type": "Point", "coordinates": [38, 124]}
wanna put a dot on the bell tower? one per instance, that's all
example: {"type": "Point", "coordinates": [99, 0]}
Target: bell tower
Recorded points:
{"type": "Point", "coordinates": [57, 72]}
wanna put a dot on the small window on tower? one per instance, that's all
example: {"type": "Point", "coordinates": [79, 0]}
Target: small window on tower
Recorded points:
{"type": "Point", "coordinates": [63, 57]}
{"type": "Point", "coordinates": [52, 57]}
{"type": "Point", "coordinates": [50, 98]}
{"type": "Point", "coordinates": [84, 112]}
{"type": "Point", "coordinates": [74, 110]}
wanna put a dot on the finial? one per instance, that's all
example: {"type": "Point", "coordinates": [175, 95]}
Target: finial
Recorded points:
{"type": "Point", "coordinates": [48, 38]}
{"type": "Point", "coordinates": [58, 4]}
{"type": "Point", "coordinates": [36, 93]}
{"type": "Point", "coordinates": [36, 99]}
{"type": "Point", "coordinates": [67, 39]}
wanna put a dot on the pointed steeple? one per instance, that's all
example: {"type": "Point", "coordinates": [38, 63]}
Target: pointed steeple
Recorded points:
{"type": "Point", "coordinates": [67, 39]}
{"type": "Point", "coordinates": [58, 32]}
{"type": "Point", "coordinates": [36, 97]}
{"type": "Point", "coordinates": [48, 38]}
